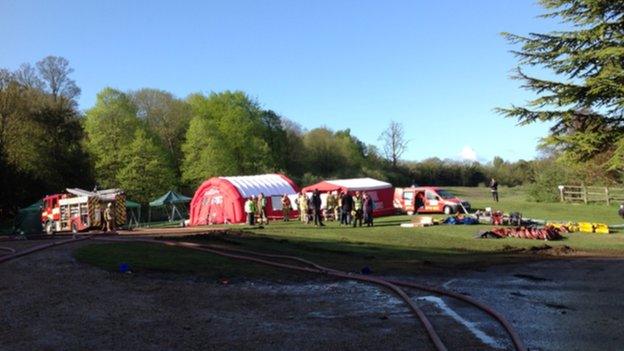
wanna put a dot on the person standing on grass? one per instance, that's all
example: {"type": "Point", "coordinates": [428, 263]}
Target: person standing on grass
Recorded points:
{"type": "Point", "coordinates": [330, 204]}
{"type": "Point", "coordinates": [358, 207]}
{"type": "Point", "coordinates": [109, 217]}
{"type": "Point", "coordinates": [250, 210]}
{"type": "Point", "coordinates": [303, 207]}
{"type": "Point", "coordinates": [337, 196]}
{"type": "Point", "coordinates": [286, 207]}
{"type": "Point", "coordinates": [368, 210]}
{"type": "Point", "coordinates": [494, 189]}
{"type": "Point", "coordinates": [346, 208]}
{"type": "Point", "coordinates": [316, 208]}
{"type": "Point", "coordinates": [262, 209]}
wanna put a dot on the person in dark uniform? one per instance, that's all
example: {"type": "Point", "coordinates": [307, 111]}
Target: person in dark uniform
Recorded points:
{"type": "Point", "coordinates": [346, 206]}
{"type": "Point", "coordinates": [316, 208]}
{"type": "Point", "coordinates": [494, 189]}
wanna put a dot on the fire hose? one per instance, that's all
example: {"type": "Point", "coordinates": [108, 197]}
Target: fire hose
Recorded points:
{"type": "Point", "coordinates": [9, 249]}
{"type": "Point", "coordinates": [388, 283]}
{"type": "Point", "coordinates": [392, 285]}
{"type": "Point", "coordinates": [30, 250]}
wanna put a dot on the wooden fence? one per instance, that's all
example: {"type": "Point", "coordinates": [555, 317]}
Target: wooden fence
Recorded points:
{"type": "Point", "coordinates": [590, 194]}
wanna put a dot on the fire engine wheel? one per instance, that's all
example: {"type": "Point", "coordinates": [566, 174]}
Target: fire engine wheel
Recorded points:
{"type": "Point", "coordinates": [49, 227]}
{"type": "Point", "coordinates": [448, 210]}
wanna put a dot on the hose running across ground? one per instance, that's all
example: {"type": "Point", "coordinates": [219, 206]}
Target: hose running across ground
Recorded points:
{"type": "Point", "coordinates": [392, 285]}
{"type": "Point", "coordinates": [217, 249]}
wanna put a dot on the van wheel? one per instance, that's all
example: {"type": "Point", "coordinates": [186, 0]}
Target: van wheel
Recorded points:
{"type": "Point", "coordinates": [74, 228]}
{"type": "Point", "coordinates": [49, 227]}
{"type": "Point", "coordinates": [448, 210]}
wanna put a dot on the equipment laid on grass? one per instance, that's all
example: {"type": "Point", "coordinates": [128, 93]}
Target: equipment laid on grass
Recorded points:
{"type": "Point", "coordinates": [545, 233]}
{"type": "Point", "coordinates": [598, 228]}
{"type": "Point", "coordinates": [420, 221]}
{"type": "Point", "coordinates": [80, 210]}
{"type": "Point", "coordinates": [460, 219]}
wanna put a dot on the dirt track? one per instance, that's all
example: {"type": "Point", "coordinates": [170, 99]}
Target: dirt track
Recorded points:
{"type": "Point", "coordinates": [51, 302]}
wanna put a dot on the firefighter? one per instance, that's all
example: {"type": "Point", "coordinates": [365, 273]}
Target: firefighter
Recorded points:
{"type": "Point", "coordinates": [316, 208]}
{"type": "Point", "coordinates": [330, 205]}
{"type": "Point", "coordinates": [494, 189]}
{"type": "Point", "coordinates": [250, 209]}
{"type": "Point", "coordinates": [303, 207]}
{"type": "Point", "coordinates": [262, 217]}
{"type": "Point", "coordinates": [286, 207]}
{"type": "Point", "coordinates": [358, 208]}
{"type": "Point", "coordinates": [109, 217]}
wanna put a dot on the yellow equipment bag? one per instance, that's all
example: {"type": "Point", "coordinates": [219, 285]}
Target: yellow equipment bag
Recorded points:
{"type": "Point", "coordinates": [601, 228]}
{"type": "Point", "coordinates": [598, 228]}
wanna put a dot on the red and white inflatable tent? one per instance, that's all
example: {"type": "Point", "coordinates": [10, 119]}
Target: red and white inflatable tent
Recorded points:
{"type": "Point", "coordinates": [381, 192]}
{"type": "Point", "coordinates": [222, 199]}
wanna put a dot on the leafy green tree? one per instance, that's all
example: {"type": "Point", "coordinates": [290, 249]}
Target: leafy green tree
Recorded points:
{"type": "Point", "coordinates": [40, 141]}
{"type": "Point", "coordinates": [586, 101]}
{"type": "Point", "coordinates": [147, 171]}
{"type": "Point", "coordinates": [110, 128]}
{"type": "Point", "coordinates": [225, 137]}
{"type": "Point", "coordinates": [166, 117]}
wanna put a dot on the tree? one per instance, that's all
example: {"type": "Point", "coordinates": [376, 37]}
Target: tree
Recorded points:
{"type": "Point", "coordinates": [147, 171]}
{"type": "Point", "coordinates": [55, 71]}
{"type": "Point", "coordinates": [394, 143]}
{"type": "Point", "coordinates": [40, 143]}
{"type": "Point", "coordinates": [110, 127]}
{"type": "Point", "coordinates": [166, 117]}
{"type": "Point", "coordinates": [225, 137]}
{"type": "Point", "coordinates": [586, 102]}
{"type": "Point", "coordinates": [28, 77]}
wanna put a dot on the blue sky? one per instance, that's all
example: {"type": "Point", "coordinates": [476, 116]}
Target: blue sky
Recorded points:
{"type": "Point", "coordinates": [437, 67]}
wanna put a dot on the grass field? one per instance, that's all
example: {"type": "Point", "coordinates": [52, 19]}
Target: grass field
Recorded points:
{"type": "Point", "coordinates": [385, 248]}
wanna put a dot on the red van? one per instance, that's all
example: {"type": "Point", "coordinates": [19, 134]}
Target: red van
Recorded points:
{"type": "Point", "coordinates": [428, 199]}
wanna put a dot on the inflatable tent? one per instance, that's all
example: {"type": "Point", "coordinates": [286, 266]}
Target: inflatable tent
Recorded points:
{"type": "Point", "coordinates": [381, 192]}
{"type": "Point", "coordinates": [221, 199]}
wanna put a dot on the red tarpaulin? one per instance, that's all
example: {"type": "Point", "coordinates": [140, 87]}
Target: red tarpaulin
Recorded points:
{"type": "Point", "coordinates": [382, 193]}
{"type": "Point", "coordinates": [221, 199]}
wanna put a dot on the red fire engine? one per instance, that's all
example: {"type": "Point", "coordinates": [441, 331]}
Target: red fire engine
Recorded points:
{"type": "Point", "coordinates": [81, 210]}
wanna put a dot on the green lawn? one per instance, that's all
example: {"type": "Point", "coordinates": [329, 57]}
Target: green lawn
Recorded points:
{"type": "Point", "coordinates": [386, 248]}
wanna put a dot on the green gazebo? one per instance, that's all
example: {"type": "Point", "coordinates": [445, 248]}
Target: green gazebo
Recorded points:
{"type": "Point", "coordinates": [172, 202]}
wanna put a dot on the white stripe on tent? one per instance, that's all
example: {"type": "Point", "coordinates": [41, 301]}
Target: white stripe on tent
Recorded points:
{"type": "Point", "coordinates": [268, 184]}
{"type": "Point", "coordinates": [360, 184]}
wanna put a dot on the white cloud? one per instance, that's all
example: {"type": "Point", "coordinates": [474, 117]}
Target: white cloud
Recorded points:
{"type": "Point", "coordinates": [468, 154]}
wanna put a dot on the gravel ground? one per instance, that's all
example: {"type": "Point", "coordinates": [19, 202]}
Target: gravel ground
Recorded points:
{"type": "Point", "coordinates": [52, 302]}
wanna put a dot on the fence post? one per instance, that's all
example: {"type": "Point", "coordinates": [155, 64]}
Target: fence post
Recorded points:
{"type": "Point", "coordinates": [584, 193]}
{"type": "Point", "coordinates": [607, 196]}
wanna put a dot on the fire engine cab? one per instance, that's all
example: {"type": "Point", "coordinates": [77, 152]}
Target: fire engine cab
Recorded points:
{"type": "Point", "coordinates": [428, 199]}
{"type": "Point", "coordinates": [80, 210]}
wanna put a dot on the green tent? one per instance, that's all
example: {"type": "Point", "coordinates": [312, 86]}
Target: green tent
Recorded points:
{"type": "Point", "coordinates": [134, 213]}
{"type": "Point", "coordinates": [172, 202]}
{"type": "Point", "coordinates": [28, 220]}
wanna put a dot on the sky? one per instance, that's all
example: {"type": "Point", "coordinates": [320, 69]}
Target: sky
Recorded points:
{"type": "Point", "coordinates": [437, 67]}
